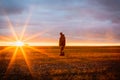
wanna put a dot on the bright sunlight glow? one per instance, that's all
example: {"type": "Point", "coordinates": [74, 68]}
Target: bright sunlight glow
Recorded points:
{"type": "Point", "coordinates": [19, 43]}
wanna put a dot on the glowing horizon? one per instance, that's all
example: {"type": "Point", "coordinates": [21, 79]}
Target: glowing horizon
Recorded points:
{"type": "Point", "coordinates": [18, 43]}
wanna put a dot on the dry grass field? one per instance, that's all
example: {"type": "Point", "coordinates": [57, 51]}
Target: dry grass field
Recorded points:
{"type": "Point", "coordinates": [44, 63]}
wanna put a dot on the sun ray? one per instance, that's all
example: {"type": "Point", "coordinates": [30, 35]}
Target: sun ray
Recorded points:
{"type": "Point", "coordinates": [11, 61]}
{"type": "Point", "coordinates": [5, 49]}
{"type": "Point", "coordinates": [38, 50]}
{"type": "Point", "coordinates": [10, 25]}
{"type": "Point", "coordinates": [35, 35]}
{"type": "Point", "coordinates": [38, 34]}
{"type": "Point", "coordinates": [26, 25]}
{"type": "Point", "coordinates": [11, 28]}
{"type": "Point", "coordinates": [27, 61]}
{"type": "Point", "coordinates": [5, 38]}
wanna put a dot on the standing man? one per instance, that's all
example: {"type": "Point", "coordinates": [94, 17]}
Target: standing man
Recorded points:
{"type": "Point", "coordinates": [62, 42]}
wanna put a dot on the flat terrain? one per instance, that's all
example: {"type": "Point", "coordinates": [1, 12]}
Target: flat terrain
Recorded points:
{"type": "Point", "coordinates": [44, 63]}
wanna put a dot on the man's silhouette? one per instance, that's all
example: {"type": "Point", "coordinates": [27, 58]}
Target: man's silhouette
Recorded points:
{"type": "Point", "coordinates": [62, 42]}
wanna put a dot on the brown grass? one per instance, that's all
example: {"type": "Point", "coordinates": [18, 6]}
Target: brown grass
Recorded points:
{"type": "Point", "coordinates": [79, 63]}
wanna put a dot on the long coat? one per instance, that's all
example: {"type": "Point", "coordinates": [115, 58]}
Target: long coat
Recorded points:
{"type": "Point", "coordinates": [62, 40]}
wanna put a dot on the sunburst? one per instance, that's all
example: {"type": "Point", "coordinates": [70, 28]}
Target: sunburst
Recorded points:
{"type": "Point", "coordinates": [19, 43]}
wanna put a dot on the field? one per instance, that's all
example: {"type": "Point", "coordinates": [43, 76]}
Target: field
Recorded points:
{"type": "Point", "coordinates": [44, 63]}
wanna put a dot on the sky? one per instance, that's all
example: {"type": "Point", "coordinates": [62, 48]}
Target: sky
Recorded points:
{"type": "Point", "coordinates": [82, 21]}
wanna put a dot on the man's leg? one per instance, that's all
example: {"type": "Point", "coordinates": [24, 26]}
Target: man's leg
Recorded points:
{"type": "Point", "coordinates": [62, 51]}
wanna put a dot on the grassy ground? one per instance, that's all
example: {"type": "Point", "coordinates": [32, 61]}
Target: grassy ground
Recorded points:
{"type": "Point", "coordinates": [44, 63]}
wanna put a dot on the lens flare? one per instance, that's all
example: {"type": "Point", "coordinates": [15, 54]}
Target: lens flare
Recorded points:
{"type": "Point", "coordinates": [19, 43]}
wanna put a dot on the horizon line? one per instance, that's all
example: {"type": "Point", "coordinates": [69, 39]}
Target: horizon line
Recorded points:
{"type": "Point", "coordinates": [56, 44]}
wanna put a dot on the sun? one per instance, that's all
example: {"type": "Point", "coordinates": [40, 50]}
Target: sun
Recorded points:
{"type": "Point", "coordinates": [19, 43]}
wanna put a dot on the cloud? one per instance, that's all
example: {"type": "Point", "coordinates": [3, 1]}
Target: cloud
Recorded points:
{"type": "Point", "coordinates": [107, 9]}
{"type": "Point", "coordinates": [113, 5]}
{"type": "Point", "coordinates": [12, 6]}
{"type": "Point", "coordinates": [97, 20]}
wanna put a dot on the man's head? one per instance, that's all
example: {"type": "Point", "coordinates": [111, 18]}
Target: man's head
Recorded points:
{"type": "Point", "coordinates": [61, 33]}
